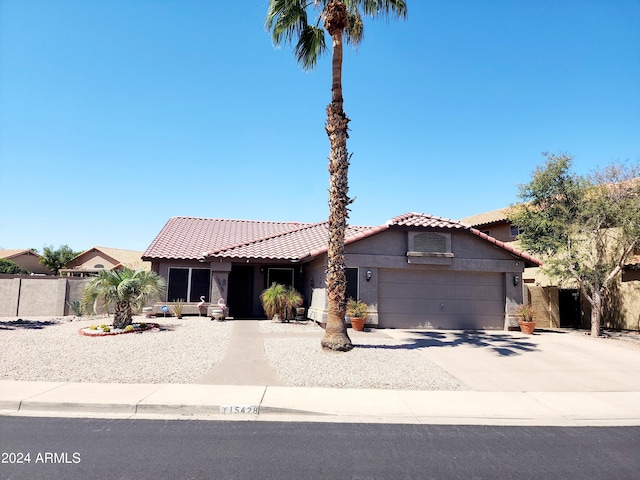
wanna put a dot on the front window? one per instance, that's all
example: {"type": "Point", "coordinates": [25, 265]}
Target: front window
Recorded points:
{"type": "Point", "coordinates": [352, 283]}
{"type": "Point", "coordinates": [283, 276]}
{"type": "Point", "coordinates": [515, 230]}
{"type": "Point", "coordinates": [189, 284]}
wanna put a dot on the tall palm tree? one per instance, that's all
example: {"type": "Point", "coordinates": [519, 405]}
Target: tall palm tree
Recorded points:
{"type": "Point", "coordinates": [288, 20]}
{"type": "Point", "coordinates": [127, 289]}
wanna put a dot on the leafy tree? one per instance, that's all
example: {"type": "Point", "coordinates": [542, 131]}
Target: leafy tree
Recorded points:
{"type": "Point", "coordinates": [9, 266]}
{"type": "Point", "coordinates": [127, 289]}
{"type": "Point", "coordinates": [288, 22]}
{"type": "Point", "coordinates": [584, 228]}
{"type": "Point", "coordinates": [57, 259]}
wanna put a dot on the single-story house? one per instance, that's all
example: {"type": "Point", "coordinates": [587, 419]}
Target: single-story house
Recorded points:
{"type": "Point", "coordinates": [26, 259]}
{"type": "Point", "coordinates": [415, 271]}
{"type": "Point", "coordinates": [92, 261]}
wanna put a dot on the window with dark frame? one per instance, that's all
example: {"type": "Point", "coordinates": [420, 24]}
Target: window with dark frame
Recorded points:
{"type": "Point", "coordinates": [189, 284]}
{"type": "Point", "coordinates": [352, 283]}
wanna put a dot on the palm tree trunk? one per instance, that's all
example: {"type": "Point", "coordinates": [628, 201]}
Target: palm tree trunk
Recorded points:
{"type": "Point", "coordinates": [122, 315]}
{"type": "Point", "coordinates": [336, 337]}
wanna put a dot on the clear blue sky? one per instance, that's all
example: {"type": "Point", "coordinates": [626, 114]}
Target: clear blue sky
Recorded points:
{"type": "Point", "coordinates": [118, 114]}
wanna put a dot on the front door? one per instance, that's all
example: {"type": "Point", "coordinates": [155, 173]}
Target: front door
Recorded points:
{"type": "Point", "coordinates": [240, 297]}
{"type": "Point", "coordinates": [569, 305]}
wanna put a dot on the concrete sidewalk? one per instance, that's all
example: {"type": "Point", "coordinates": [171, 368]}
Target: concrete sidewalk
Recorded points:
{"type": "Point", "coordinates": [241, 402]}
{"type": "Point", "coordinates": [550, 378]}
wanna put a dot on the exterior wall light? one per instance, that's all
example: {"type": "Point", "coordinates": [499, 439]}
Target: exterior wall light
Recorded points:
{"type": "Point", "coordinates": [368, 275]}
{"type": "Point", "coordinates": [516, 280]}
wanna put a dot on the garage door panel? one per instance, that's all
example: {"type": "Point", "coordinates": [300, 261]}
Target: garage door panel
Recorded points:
{"type": "Point", "coordinates": [440, 299]}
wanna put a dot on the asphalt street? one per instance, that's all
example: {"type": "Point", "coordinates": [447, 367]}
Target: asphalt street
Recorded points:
{"type": "Point", "coordinates": [190, 449]}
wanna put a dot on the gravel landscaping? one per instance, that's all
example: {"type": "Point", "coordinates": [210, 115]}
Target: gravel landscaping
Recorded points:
{"type": "Point", "coordinates": [182, 351]}
{"type": "Point", "coordinates": [376, 361]}
{"type": "Point", "coordinates": [52, 349]}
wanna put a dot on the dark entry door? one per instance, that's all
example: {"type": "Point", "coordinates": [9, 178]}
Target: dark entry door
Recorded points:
{"type": "Point", "coordinates": [569, 307]}
{"type": "Point", "coordinates": [240, 298]}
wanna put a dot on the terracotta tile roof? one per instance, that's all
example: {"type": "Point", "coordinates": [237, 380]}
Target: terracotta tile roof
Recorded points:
{"type": "Point", "coordinates": [305, 241]}
{"type": "Point", "coordinates": [195, 238]}
{"type": "Point", "coordinates": [487, 218]}
{"type": "Point", "coordinates": [191, 238]}
{"type": "Point", "coordinates": [414, 219]}
{"type": "Point", "coordinates": [633, 263]}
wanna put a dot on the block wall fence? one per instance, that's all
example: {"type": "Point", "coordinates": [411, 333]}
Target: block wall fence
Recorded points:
{"type": "Point", "coordinates": [25, 295]}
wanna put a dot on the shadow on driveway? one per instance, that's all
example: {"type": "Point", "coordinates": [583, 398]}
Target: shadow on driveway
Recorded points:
{"type": "Point", "coordinates": [504, 345]}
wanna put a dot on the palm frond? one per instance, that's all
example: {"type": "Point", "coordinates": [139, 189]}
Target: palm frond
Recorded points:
{"type": "Point", "coordinates": [310, 46]}
{"type": "Point", "coordinates": [286, 19]}
{"type": "Point", "coordinates": [375, 8]}
{"type": "Point", "coordinates": [355, 31]}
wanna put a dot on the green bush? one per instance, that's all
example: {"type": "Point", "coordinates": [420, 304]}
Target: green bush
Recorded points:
{"type": "Point", "coordinates": [9, 266]}
{"type": "Point", "coordinates": [280, 300]}
{"type": "Point", "coordinates": [128, 328]}
{"type": "Point", "coordinates": [106, 329]}
{"type": "Point", "coordinates": [76, 307]}
{"type": "Point", "coordinates": [93, 327]}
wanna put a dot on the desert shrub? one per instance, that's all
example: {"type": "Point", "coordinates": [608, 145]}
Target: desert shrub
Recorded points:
{"type": "Point", "coordinates": [93, 327]}
{"type": "Point", "coordinates": [106, 329]}
{"type": "Point", "coordinates": [76, 307]}
{"type": "Point", "coordinates": [128, 328]}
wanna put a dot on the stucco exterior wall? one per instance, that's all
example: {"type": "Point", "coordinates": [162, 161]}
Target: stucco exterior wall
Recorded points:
{"type": "Point", "coordinates": [387, 251]}
{"type": "Point", "coordinates": [31, 262]}
{"type": "Point", "coordinates": [90, 260]}
{"type": "Point", "coordinates": [622, 306]}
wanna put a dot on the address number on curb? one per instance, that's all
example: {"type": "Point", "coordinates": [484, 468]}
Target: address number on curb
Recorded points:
{"type": "Point", "coordinates": [255, 409]}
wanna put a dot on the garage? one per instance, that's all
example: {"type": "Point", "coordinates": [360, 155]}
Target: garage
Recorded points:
{"type": "Point", "coordinates": [440, 299]}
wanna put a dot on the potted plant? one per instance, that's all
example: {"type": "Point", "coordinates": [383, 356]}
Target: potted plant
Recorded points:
{"type": "Point", "coordinates": [357, 313]}
{"type": "Point", "coordinates": [527, 318]}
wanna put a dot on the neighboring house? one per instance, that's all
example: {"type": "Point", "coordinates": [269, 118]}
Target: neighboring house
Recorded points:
{"type": "Point", "coordinates": [92, 261]}
{"type": "Point", "coordinates": [26, 259]}
{"type": "Point", "coordinates": [564, 307]}
{"type": "Point", "coordinates": [415, 271]}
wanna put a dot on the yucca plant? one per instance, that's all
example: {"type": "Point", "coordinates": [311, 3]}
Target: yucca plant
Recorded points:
{"type": "Point", "coordinates": [281, 301]}
{"type": "Point", "coordinates": [177, 308]}
{"type": "Point", "coordinates": [293, 299]}
{"type": "Point", "coordinates": [273, 300]}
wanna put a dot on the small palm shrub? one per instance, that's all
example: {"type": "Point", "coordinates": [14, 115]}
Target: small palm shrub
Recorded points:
{"type": "Point", "coordinates": [280, 300]}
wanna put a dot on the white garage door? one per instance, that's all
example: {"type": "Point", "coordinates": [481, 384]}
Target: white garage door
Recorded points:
{"type": "Point", "coordinates": [447, 300]}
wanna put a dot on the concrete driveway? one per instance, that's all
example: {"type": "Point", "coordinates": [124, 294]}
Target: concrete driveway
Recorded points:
{"type": "Point", "coordinates": [547, 361]}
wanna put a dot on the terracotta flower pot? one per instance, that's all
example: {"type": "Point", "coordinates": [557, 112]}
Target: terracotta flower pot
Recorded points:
{"type": "Point", "coordinates": [527, 327]}
{"type": "Point", "coordinates": [357, 323]}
